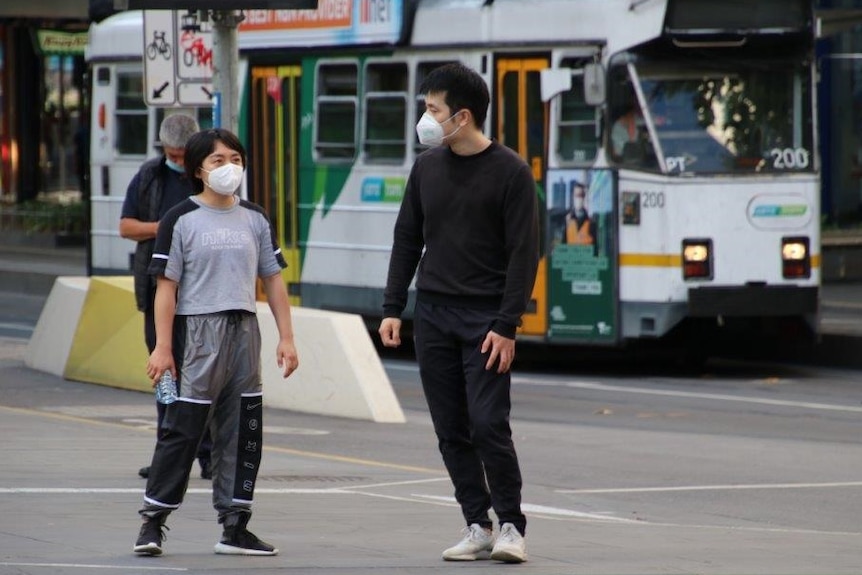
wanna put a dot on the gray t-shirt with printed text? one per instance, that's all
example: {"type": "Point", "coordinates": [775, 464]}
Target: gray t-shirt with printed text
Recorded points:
{"type": "Point", "coordinates": [215, 255]}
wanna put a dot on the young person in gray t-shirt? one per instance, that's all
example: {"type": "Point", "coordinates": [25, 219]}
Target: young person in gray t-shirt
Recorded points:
{"type": "Point", "coordinates": [209, 251]}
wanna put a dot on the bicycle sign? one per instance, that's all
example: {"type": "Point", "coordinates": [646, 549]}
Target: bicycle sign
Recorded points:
{"type": "Point", "coordinates": [197, 58]}
{"type": "Point", "coordinates": [177, 63]}
{"type": "Point", "coordinates": [158, 46]}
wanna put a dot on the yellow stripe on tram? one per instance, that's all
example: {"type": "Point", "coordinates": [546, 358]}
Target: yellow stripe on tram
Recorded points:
{"type": "Point", "coordinates": [651, 260]}
{"type": "Point", "coordinates": [672, 260]}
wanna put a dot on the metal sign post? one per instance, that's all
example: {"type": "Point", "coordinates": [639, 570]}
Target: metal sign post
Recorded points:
{"type": "Point", "coordinates": [226, 67]}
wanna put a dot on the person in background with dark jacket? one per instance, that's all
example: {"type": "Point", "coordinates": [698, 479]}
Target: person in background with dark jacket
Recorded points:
{"type": "Point", "coordinates": [159, 185]}
{"type": "Point", "coordinates": [469, 222]}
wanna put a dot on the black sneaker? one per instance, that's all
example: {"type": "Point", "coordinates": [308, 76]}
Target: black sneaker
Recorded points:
{"type": "Point", "coordinates": [151, 536]}
{"type": "Point", "coordinates": [144, 471]}
{"type": "Point", "coordinates": [240, 541]}
{"type": "Point", "coordinates": [206, 469]}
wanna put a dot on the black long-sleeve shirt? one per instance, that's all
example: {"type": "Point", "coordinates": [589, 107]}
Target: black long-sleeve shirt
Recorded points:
{"type": "Point", "coordinates": [476, 217]}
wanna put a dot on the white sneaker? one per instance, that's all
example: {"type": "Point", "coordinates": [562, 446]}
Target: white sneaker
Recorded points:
{"type": "Point", "coordinates": [476, 544]}
{"type": "Point", "coordinates": [510, 546]}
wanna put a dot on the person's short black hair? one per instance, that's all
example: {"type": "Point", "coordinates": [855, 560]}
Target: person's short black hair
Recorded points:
{"type": "Point", "coordinates": [203, 144]}
{"type": "Point", "coordinates": [464, 89]}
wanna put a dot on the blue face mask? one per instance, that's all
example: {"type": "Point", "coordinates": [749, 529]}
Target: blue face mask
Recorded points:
{"type": "Point", "coordinates": [175, 166]}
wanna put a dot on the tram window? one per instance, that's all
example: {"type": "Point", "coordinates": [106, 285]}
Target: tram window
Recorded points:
{"type": "Point", "coordinates": [336, 111]}
{"type": "Point", "coordinates": [422, 71]}
{"type": "Point", "coordinates": [385, 112]}
{"type": "Point", "coordinates": [131, 124]}
{"type": "Point", "coordinates": [103, 75]}
{"type": "Point", "coordinates": [576, 130]}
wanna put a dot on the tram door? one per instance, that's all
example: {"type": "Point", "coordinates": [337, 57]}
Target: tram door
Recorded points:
{"type": "Point", "coordinates": [274, 156]}
{"type": "Point", "coordinates": [522, 125]}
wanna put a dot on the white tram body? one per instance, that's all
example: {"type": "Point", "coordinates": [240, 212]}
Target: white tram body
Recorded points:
{"type": "Point", "coordinates": [707, 216]}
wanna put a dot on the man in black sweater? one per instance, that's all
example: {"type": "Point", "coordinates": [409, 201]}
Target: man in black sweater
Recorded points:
{"type": "Point", "coordinates": [470, 204]}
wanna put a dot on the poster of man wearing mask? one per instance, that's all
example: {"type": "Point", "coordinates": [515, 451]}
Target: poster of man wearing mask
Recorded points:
{"type": "Point", "coordinates": [582, 281]}
{"type": "Point", "coordinates": [580, 226]}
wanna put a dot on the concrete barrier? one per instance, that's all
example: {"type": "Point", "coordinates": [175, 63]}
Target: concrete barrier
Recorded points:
{"type": "Point", "coordinates": [52, 337]}
{"type": "Point", "coordinates": [91, 331]}
{"type": "Point", "coordinates": [339, 373]}
{"type": "Point", "coordinates": [108, 347]}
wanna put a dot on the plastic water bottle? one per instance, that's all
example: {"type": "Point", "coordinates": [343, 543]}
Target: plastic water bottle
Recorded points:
{"type": "Point", "coordinates": [166, 390]}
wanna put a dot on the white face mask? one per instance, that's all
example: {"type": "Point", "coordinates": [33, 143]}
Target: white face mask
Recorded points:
{"type": "Point", "coordinates": [225, 179]}
{"type": "Point", "coordinates": [430, 131]}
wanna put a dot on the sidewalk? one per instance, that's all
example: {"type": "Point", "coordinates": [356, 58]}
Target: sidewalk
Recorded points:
{"type": "Point", "coordinates": [33, 270]}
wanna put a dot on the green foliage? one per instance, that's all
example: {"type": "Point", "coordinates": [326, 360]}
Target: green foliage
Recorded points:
{"type": "Point", "coordinates": [40, 216]}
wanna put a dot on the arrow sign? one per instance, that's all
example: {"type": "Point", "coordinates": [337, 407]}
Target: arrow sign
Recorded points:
{"type": "Point", "coordinates": [160, 41]}
{"type": "Point", "coordinates": [157, 93]}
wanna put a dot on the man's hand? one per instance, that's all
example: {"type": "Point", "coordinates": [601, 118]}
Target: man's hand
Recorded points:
{"type": "Point", "coordinates": [502, 351]}
{"type": "Point", "coordinates": [390, 332]}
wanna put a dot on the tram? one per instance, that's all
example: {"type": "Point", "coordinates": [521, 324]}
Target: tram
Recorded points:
{"type": "Point", "coordinates": [672, 143]}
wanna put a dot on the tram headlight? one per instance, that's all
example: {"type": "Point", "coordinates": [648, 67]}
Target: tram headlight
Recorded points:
{"type": "Point", "coordinates": [795, 257]}
{"type": "Point", "coordinates": [696, 259]}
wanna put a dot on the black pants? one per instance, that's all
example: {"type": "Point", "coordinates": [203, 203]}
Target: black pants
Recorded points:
{"type": "Point", "coordinates": [206, 444]}
{"type": "Point", "coordinates": [470, 409]}
{"type": "Point", "coordinates": [220, 389]}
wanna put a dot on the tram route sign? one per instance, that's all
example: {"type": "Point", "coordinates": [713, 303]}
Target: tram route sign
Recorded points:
{"type": "Point", "coordinates": [177, 62]}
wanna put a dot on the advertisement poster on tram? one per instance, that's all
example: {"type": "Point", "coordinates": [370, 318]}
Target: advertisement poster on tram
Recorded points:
{"type": "Point", "coordinates": [347, 22]}
{"type": "Point", "coordinates": [582, 282]}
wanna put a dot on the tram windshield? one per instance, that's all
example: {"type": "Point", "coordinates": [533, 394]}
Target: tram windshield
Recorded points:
{"type": "Point", "coordinates": [711, 116]}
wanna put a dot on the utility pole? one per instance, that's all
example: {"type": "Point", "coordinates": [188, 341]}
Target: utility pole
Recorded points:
{"type": "Point", "coordinates": [226, 68]}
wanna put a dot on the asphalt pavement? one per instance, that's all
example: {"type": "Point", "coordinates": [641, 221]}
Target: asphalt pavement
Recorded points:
{"type": "Point", "coordinates": [346, 497]}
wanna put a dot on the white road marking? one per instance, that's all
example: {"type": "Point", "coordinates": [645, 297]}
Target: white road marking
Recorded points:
{"type": "Point", "coordinates": [595, 386]}
{"type": "Point", "coordinates": [544, 510]}
{"type": "Point", "coordinates": [90, 566]}
{"type": "Point", "coordinates": [550, 513]}
{"type": "Point", "coordinates": [355, 489]}
{"type": "Point", "coordinates": [540, 509]}
{"type": "Point", "coordinates": [69, 490]}
{"type": "Point", "coordinates": [729, 487]}
{"type": "Point", "coordinates": [140, 491]}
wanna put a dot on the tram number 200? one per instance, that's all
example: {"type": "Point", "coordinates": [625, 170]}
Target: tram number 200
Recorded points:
{"type": "Point", "coordinates": [652, 200]}
{"type": "Point", "coordinates": [790, 159]}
